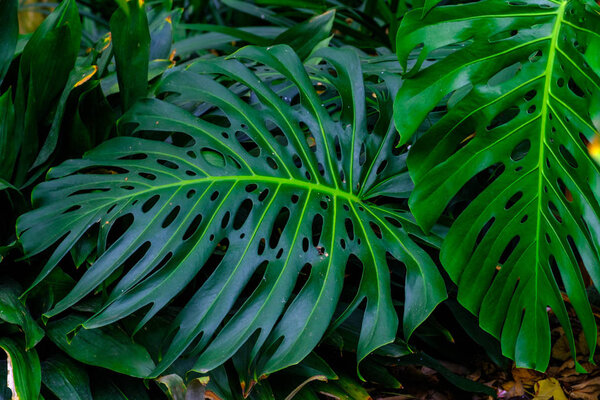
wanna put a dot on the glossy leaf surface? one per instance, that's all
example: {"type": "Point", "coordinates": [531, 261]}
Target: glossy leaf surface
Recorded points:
{"type": "Point", "coordinates": [517, 86]}
{"type": "Point", "coordinates": [9, 33]}
{"type": "Point", "coordinates": [66, 379]}
{"type": "Point", "coordinates": [23, 367]}
{"type": "Point", "coordinates": [109, 347]}
{"type": "Point", "coordinates": [265, 187]}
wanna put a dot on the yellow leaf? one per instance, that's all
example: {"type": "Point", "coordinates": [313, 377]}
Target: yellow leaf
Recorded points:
{"type": "Point", "coordinates": [549, 389]}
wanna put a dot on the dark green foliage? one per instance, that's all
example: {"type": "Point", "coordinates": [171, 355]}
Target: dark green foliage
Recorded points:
{"type": "Point", "coordinates": [215, 197]}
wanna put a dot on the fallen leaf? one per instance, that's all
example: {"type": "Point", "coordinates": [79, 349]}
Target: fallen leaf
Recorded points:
{"type": "Point", "coordinates": [548, 389]}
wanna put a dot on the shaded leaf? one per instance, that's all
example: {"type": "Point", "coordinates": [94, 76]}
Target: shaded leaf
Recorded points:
{"type": "Point", "coordinates": [131, 47]}
{"type": "Point", "coordinates": [13, 311]}
{"type": "Point", "coordinates": [108, 347]}
{"type": "Point", "coordinates": [9, 33]}
{"type": "Point", "coordinates": [24, 374]}
{"type": "Point", "coordinates": [66, 379]}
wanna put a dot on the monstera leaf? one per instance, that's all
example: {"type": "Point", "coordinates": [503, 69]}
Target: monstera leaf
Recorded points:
{"type": "Point", "coordinates": [258, 208]}
{"type": "Point", "coordinates": [517, 85]}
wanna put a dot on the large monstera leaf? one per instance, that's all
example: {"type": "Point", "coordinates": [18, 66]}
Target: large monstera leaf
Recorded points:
{"type": "Point", "coordinates": [259, 207]}
{"type": "Point", "coordinates": [517, 87]}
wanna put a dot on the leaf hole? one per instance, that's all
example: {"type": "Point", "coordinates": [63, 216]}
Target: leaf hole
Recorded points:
{"type": "Point", "coordinates": [484, 230]}
{"type": "Point", "coordinates": [504, 117]}
{"type": "Point", "coordinates": [362, 156]}
{"type": "Point", "coordinates": [297, 161]}
{"type": "Point", "coordinates": [513, 200]}
{"type": "Point", "coordinates": [272, 163]}
{"type": "Point", "coordinates": [376, 229]}
{"type": "Point", "coordinates": [167, 163]}
{"type": "Point", "coordinates": [150, 177]}
{"type": "Point", "coordinates": [137, 156]}
{"type": "Point", "coordinates": [77, 207]}
{"type": "Point", "coordinates": [235, 162]}
{"type": "Point", "coordinates": [242, 213]}
{"type": "Point", "coordinates": [148, 204]}
{"type": "Point", "coordinates": [554, 211]}
{"type": "Point", "coordinates": [349, 228]}
{"type": "Point", "coordinates": [279, 225]}
{"type": "Point", "coordinates": [247, 143]}
{"type": "Point", "coordinates": [509, 249]}
{"type": "Point", "coordinates": [563, 189]}
{"type": "Point", "coordinates": [575, 88]}
{"type": "Point", "coordinates": [530, 95]}
{"type": "Point", "coordinates": [338, 148]}
{"type": "Point", "coordinates": [568, 156]}
{"type": "Point", "coordinates": [520, 150]}
{"type": "Point", "coordinates": [225, 220]}
{"type": "Point", "coordinates": [193, 227]}
{"type": "Point", "coordinates": [394, 222]}
{"type": "Point", "coordinates": [317, 229]}
{"type": "Point", "coordinates": [305, 244]}
{"type": "Point", "coordinates": [118, 228]}
{"type": "Point", "coordinates": [263, 195]}
{"type": "Point", "coordinates": [213, 157]}
{"type": "Point", "coordinates": [171, 217]}
{"type": "Point", "coordinates": [535, 56]}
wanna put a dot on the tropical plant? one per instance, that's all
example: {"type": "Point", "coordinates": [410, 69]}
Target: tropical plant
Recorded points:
{"type": "Point", "coordinates": [215, 199]}
{"type": "Point", "coordinates": [518, 86]}
{"type": "Point", "coordinates": [257, 190]}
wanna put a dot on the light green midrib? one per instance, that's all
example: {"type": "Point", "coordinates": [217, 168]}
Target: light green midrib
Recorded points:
{"type": "Point", "coordinates": [256, 179]}
{"type": "Point", "coordinates": [544, 113]}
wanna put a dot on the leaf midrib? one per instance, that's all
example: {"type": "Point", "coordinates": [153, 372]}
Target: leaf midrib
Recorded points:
{"type": "Point", "coordinates": [252, 179]}
{"type": "Point", "coordinates": [544, 114]}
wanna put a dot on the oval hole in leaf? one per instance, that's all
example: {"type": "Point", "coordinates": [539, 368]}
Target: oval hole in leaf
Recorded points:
{"type": "Point", "coordinates": [513, 200]}
{"type": "Point", "coordinates": [241, 215]}
{"type": "Point", "coordinates": [554, 211]}
{"type": "Point", "coordinates": [280, 222]}
{"type": "Point", "coordinates": [510, 247]}
{"type": "Point", "coordinates": [568, 156]}
{"type": "Point", "coordinates": [317, 228]}
{"type": "Point", "coordinates": [247, 143]}
{"type": "Point", "coordinates": [148, 204]}
{"type": "Point", "coordinates": [171, 217]}
{"type": "Point", "coordinates": [520, 150]}
{"type": "Point", "coordinates": [504, 117]}
{"type": "Point", "coordinates": [575, 88]}
{"type": "Point", "coordinates": [213, 157]}
{"type": "Point", "coordinates": [193, 227]}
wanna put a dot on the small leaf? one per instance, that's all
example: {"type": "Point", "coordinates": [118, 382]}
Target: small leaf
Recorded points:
{"type": "Point", "coordinates": [24, 376]}
{"type": "Point", "coordinates": [549, 389]}
{"type": "Point", "coordinates": [196, 389]}
{"type": "Point", "coordinates": [13, 311]}
{"type": "Point", "coordinates": [9, 33]}
{"type": "Point", "coordinates": [173, 386]}
{"type": "Point", "coordinates": [131, 46]}
{"type": "Point", "coordinates": [306, 36]}
{"type": "Point", "coordinates": [66, 379]}
{"type": "Point", "coordinates": [108, 347]}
